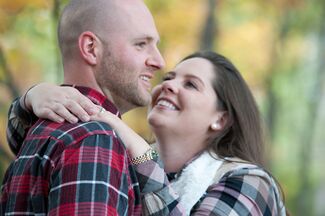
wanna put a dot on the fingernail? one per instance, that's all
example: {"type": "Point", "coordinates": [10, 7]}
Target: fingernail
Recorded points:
{"type": "Point", "coordinates": [73, 120]}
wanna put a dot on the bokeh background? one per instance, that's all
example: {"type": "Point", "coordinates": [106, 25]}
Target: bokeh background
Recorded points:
{"type": "Point", "coordinates": [278, 45]}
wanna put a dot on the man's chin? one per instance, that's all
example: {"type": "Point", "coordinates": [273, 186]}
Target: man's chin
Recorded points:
{"type": "Point", "coordinates": [144, 101]}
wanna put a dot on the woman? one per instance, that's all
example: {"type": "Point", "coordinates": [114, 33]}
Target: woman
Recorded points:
{"type": "Point", "coordinates": [209, 137]}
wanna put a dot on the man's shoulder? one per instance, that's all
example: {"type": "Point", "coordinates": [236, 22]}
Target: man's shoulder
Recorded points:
{"type": "Point", "coordinates": [67, 132]}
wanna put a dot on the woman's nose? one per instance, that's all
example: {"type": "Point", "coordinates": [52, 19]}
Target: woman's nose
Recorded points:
{"type": "Point", "coordinates": [170, 86]}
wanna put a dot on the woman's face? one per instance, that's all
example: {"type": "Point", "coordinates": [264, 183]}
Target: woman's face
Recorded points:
{"type": "Point", "coordinates": [185, 102]}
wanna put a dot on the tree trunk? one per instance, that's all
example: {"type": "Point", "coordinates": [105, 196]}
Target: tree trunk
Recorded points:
{"type": "Point", "coordinates": [210, 28]}
{"type": "Point", "coordinates": [55, 18]}
{"type": "Point", "coordinates": [305, 195]}
{"type": "Point", "coordinates": [280, 40]}
{"type": "Point", "coordinates": [271, 97]}
{"type": "Point", "coordinates": [8, 79]}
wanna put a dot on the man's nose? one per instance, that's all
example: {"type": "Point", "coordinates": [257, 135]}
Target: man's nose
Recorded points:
{"type": "Point", "coordinates": [156, 60]}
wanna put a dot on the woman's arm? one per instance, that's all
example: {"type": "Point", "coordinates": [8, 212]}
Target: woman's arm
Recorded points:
{"type": "Point", "coordinates": [158, 196]}
{"type": "Point", "coordinates": [134, 143]}
{"type": "Point", "coordinates": [45, 101]}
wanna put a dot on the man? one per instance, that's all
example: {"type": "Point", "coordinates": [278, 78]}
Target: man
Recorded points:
{"type": "Point", "coordinates": [109, 52]}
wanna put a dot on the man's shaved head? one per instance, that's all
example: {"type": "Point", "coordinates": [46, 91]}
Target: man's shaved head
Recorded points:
{"type": "Point", "coordinates": [85, 15]}
{"type": "Point", "coordinates": [111, 46]}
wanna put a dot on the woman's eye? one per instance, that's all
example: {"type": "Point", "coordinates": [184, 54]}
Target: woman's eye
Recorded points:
{"type": "Point", "coordinates": [165, 78]}
{"type": "Point", "coordinates": [190, 84]}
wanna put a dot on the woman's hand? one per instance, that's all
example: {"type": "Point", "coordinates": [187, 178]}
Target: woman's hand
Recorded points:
{"type": "Point", "coordinates": [58, 103]}
{"type": "Point", "coordinates": [133, 142]}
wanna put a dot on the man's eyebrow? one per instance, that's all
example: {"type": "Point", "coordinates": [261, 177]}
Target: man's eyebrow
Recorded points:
{"type": "Point", "coordinates": [149, 38]}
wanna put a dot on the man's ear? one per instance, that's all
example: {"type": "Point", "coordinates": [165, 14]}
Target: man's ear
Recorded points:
{"type": "Point", "coordinates": [88, 47]}
{"type": "Point", "coordinates": [220, 121]}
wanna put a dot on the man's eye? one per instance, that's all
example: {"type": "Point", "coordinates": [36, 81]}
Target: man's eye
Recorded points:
{"type": "Point", "coordinates": [141, 44]}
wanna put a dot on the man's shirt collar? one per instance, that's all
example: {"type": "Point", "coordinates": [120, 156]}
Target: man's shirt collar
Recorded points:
{"type": "Point", "coordinates": [97, 98]}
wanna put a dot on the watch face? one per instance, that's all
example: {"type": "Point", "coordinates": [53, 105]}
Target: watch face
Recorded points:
{"type": "Point", "coordinates": [154, 154]}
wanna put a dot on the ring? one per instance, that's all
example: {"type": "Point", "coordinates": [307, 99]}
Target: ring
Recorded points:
{"type": "Point", "coordinates": [102, 109]}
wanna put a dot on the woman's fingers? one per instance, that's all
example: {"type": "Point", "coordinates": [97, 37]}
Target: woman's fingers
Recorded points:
{"type": "Point", "coordinates": [76, 110]}
{"type": "Point", "coordinates": [60, 103]}
{"type": "Point", "coordinates": [63, 111]}
{"type": "Point", "coordinates": [79, 105]}
{"type": "Point", "coordinates": [48, 113]}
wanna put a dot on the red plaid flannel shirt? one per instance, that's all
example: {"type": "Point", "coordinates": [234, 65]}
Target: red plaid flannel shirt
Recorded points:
{"type": "Point", "coordinates": [71, 169]}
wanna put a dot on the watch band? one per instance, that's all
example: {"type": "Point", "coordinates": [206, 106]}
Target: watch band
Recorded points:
{"type": "Point", "coordinates": [148, 155]}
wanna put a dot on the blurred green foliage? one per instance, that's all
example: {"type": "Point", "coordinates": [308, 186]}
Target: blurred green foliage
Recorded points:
{"type": "Point", "coordinates": [278, 46]}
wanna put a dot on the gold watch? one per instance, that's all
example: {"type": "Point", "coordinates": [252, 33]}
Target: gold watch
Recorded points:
{"type": "Point", "coordinates": [148, 155]}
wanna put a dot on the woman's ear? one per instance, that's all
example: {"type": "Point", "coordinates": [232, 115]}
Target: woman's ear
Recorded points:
{"type": "Point", "coordinates": [88, 47]}
{"type": "Point", "coordinates": [220, 121]}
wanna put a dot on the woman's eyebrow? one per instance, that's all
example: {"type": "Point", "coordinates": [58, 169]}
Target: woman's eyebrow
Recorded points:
{"type": "Point", "coordinates": [170, 73]}
{"type": "Point", "coordinates": [195, 77]}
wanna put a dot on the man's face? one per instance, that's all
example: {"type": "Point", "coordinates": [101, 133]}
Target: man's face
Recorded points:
{"type": "Point", "coordinates": [130, 57]}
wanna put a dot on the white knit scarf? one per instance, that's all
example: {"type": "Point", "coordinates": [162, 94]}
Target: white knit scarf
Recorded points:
{"type": "Point", "coordinates": [195, 179]}
{"type": "Point", "coordinates": [205, 170]}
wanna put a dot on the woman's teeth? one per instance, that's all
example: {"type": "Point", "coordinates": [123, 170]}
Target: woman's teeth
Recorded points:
{"type": "Point", "coordinates": [167, 104]}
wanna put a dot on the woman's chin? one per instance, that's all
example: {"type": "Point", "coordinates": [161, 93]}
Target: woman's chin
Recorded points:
{"type": "Point", "coordinates": [156, 122]}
